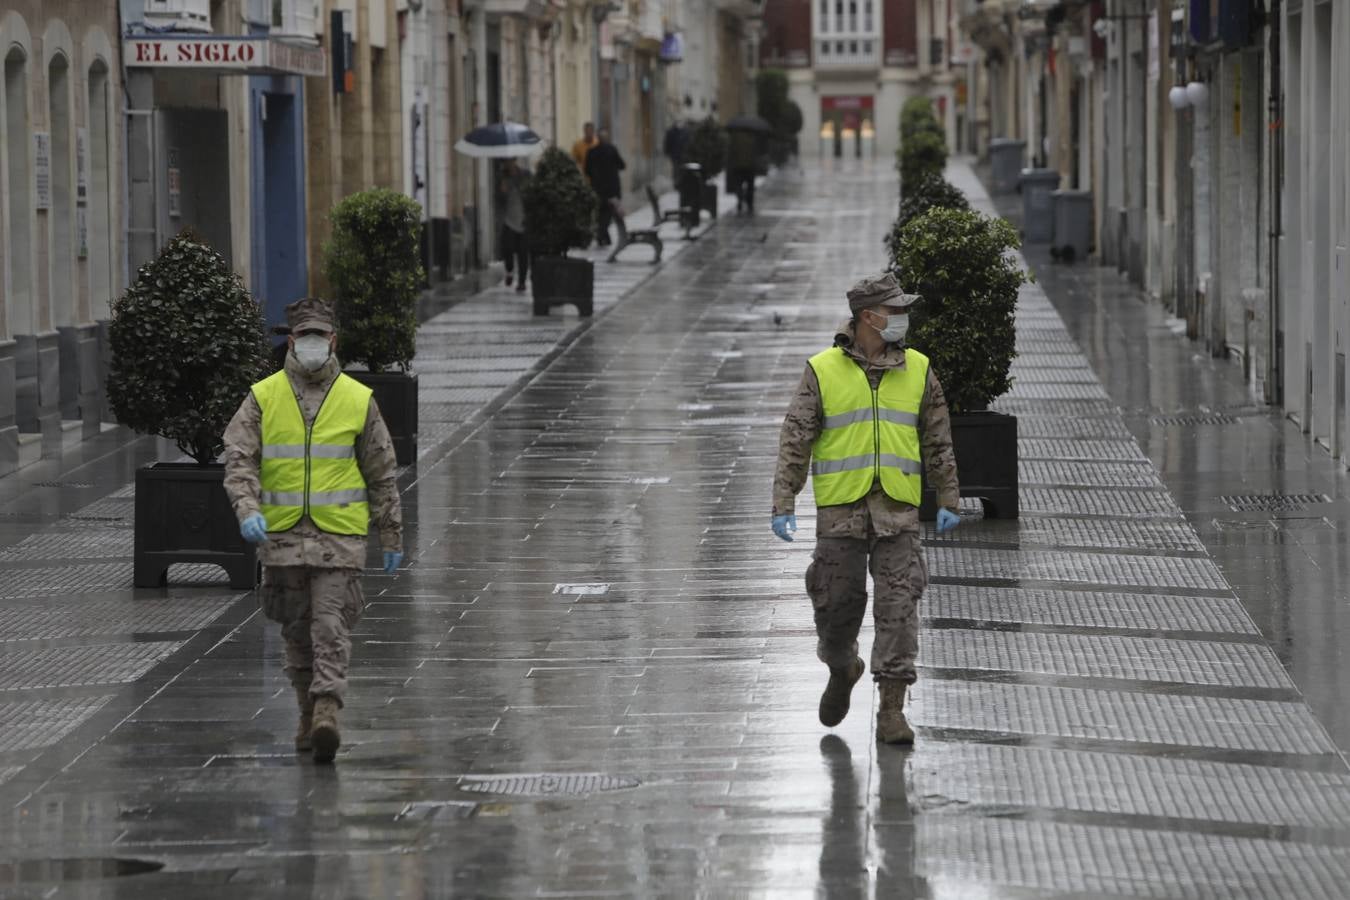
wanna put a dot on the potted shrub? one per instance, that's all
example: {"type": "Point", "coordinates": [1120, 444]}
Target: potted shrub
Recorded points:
{"type": "Point", "coordinates": [187, 342]}
{"type": "Point", "coordinates": [560, 216]}
{"type": "Point", "coordinates": [960, 262]}
{"type": "Point", "coordinates": [922, 154]}
{"type": "Point", "coordinates": [373, 262]}
{"type": "Point", "coordinates": [929, 192]}
{"type": "Point", "coordinates": [708, 147]}
{"type": "Point", "coordinates": [917, 115]}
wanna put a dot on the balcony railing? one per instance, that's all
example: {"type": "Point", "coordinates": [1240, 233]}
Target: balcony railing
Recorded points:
{"type": "Point", "coordinates": [848, 52]}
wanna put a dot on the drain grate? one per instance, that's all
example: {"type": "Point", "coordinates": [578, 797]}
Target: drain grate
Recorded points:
{"type": "Point", "coordinates": [1272, 502]}
{"type": "Point", "coordinates": [547, 785]}
{"type": "Point", "coordinates": [63, 484]}
{"type": "Point", "coordinates": [1195, 419]}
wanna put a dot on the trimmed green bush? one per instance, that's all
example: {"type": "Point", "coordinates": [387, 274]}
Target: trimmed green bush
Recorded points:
{"type": "Point", "coordinates": [917, 115]}
{"type": "Point", "coordinates": [708, 147]}
{"type": "Point", "coordinates": [559, 206]}
{"type": "Point", "coordinates": [919, 197]}
{"type": "Point", "coordinates": [187, 343]}
{"type": "Point", "coordinates": [373, 264]}
{"type": "Point", "coordinates": [922, 154]}
{"type": "Point", "coordinates": [961, 263]}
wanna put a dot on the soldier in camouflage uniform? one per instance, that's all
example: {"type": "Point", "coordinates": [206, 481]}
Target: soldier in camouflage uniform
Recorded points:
{"type": "Point", "coordinates": [313, 550]}
{"type": "Point", "coordinates": [876, 531]}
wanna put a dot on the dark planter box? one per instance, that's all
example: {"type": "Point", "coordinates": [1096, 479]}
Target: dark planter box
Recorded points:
{"type": "Point", "coordinates": [396, 395]}
{"type": "Point", "coordinates": [561, 279]}
{"type": "Point", "coordinates": [184, 516]}
{"type": "Point", "coordinates": [710, 198]}
{"type": "Point", "coordinates": [986, 459]}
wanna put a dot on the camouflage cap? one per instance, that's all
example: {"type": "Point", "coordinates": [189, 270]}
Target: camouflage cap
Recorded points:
{"type": "Point", "coordinates": [877, 290]}
{"type": "Point", "coordinates": [310, 314]}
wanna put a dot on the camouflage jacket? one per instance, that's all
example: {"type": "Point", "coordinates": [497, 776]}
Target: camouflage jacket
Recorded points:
{"type": "Point", "coordinates": [875, 515]}
{"type": "Point", "coordinates": [305, 544]}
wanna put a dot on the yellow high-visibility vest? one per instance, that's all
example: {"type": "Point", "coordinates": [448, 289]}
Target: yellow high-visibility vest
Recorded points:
{"type": "Point", "coordinates": [313, 471]}
{"type": "Point", "coordinates": [868, 434]}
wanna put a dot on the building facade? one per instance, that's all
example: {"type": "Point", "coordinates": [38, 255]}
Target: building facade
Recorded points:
{"type": "Point", "coordinates": [1214, 143]}
{"type": "Point", "coordinates": [60, 220]}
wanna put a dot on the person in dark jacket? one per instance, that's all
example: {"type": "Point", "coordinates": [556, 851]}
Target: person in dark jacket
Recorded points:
{"type": "Point", "coordinates": [603, 165]}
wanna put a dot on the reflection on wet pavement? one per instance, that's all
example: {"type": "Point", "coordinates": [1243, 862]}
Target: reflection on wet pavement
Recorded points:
{"type": "Point", "coordinates": [596, 674]}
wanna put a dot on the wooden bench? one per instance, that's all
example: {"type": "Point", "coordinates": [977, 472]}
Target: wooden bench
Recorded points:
{"type": "Point", "coordinates": [650, 236]}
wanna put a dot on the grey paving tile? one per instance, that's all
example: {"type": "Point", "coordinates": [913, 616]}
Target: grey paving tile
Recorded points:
{"type": "Point", "coordinates": [1263, 726]}
{"type": "Point", "coordinates": [1124, 784]}
{"type": "Point", "coordinates": [1079, 859]}
{"type": "Point", "coordinates": [1096, 656]}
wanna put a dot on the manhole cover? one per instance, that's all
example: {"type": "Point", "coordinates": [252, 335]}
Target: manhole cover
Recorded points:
{"type": "Point", "coordinates": [1195, 419]}
{"type": "Point", "coordinates": [1271, 502]}
{"type": "Point", "coordinates": [48, 870]}
{"type": "Point", "coordinates": [547, 785]}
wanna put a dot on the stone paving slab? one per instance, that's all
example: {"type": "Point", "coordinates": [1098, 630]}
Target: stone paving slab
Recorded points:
{"type": "Point", "coordinates": [1259, 726]}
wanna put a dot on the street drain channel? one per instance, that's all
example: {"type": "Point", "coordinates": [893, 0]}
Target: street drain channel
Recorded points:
{"type": "Point", "coordinates": [1195, 419]}
{"type": "Point", "coordinates": [44, 871]}
{"type": "Point", "coordinates": [1272, 502]}
{"type": "Point", "coordinates": [547, 785]}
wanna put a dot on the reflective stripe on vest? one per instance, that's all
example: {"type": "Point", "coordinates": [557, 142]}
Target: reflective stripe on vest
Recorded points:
{"type": "Point", "coordinates": [868, 435]}
{"type": "Point", "coordinates": [313, 471]}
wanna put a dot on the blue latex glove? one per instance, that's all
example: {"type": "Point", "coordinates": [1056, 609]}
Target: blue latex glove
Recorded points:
{"type": "Point", "coordinates": [783, 526]}
{"type": "Point", "coordinates": [947, 520]}
{"type": "Point", "coordinates": [391, 560]}
{"type": "Point", "coordinates": [254, 529]}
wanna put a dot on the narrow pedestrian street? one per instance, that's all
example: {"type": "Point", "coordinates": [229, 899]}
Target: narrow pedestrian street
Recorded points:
{"type": "Point", "coordinates": [595, 675]}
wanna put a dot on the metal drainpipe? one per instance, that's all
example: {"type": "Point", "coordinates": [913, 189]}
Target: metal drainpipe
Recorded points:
{"type": "Point", "coordinates": [1275, 356]}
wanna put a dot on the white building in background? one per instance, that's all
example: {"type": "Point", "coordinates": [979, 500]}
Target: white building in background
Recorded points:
{"type": "Point", "coordinates": [60, 220]}
{"type": "Point", "coordinates": [852, 64]}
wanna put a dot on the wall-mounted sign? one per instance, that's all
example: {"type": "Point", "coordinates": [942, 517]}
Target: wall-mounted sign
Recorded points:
{"type": "Point", "coordinates": [672, 48]}
{"type": "Point", "coordinates": [42, 168]}
{"type": "Point", "coordinates": [175, 184]}
{"type": "Point", "coordinates": [224, 55]}
{"type": "Point", "coordinates": [82, 231]}
{"type": "Point", "coordinates": [81, 166]}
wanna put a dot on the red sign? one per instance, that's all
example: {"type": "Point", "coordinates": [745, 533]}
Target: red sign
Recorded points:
{"type": "Point", "coordinates": [226, 55]}
{"type": "Point", "coordinates": [828, 104]}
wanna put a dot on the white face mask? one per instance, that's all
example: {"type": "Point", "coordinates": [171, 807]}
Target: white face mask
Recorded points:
{"type": "Point", "coordinates": [897, 326]}
{"type": "Point", "coordinates": [312, 351]}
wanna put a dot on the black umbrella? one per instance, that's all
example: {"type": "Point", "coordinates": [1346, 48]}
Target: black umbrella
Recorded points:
{"type": "Point", "coordinates": [749, 123]}
{"type": "Point", "coordinates": [503, 140]}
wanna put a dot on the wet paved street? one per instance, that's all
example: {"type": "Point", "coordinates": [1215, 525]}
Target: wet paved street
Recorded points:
{"type": "Point", "coordinates": [596, 674]}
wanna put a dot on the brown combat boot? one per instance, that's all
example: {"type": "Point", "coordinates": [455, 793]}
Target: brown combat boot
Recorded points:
{"type": "Point", "coordinates": [834, 700]}
{"type": "Point", "coordinates": [325, 735]}
{"type": "Point", "coordinates": [306, 702]}
{"type": "Point", "coordinates": [891, 725]}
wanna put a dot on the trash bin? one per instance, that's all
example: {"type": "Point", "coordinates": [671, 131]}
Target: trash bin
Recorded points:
{"type": "Point", "coordinates": [1005, 157]}
{"type": "Point", "coordinates": [1073, 225]}
{"type": "Point", "coordinates": [1038, 214]}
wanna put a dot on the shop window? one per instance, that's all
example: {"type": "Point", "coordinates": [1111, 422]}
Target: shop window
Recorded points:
{"type": "Point", "coordinates": [19, 308]}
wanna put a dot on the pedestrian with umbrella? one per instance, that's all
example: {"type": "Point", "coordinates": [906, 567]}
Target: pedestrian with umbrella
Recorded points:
{"type": "Point", "coordinates": [507, 141]}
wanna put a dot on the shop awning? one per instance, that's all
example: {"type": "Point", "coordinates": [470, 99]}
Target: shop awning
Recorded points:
{"type": "Point", "coordinates": [243, 55]}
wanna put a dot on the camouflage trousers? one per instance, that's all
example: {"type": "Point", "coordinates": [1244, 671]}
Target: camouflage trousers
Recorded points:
{"type": "Point", "coordinates": [317, 609]}
{"type": "Point", "coordinates": [836, 581]}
